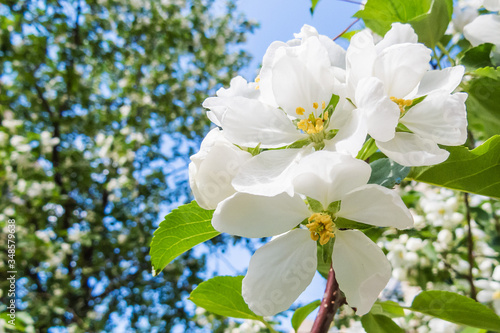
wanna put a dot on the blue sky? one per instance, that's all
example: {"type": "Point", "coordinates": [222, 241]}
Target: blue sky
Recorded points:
{"type": "Point", "coordinates": [279, 19]}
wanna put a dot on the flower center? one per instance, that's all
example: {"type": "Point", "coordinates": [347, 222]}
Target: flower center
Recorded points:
{"type": "Point", "coordinates": [312, 124]}
{"type": "Point", "coordinates": [402, 103]}
{"type": "Point", "coordinates": [321, 227]}
{"type": "Point", "coordinates": [496, 295]}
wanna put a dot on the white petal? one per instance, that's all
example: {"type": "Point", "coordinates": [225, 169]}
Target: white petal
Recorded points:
{"type": "Point", "coordinates": [445, 80]}
{"type": "Point", "coordinates": [361, 269]}
{"type": "Point", "coordinates": [326, 176]}
{"type": "Point", "coordinates": [484, 29]}
{"type": "Point", "coordinates": [401, 67]}
{"type": "Point", "coordinates": [492, 5]}
{"type": "Point", "coordinates": [248, 215]}
{"type": "Point", "coordinates": [212, 169]}
{"type": "Point", "coordinates": [399, 34]}
{"type": "Point", "coordinates": [360, 57]}
{"type": "Point", "coordinates": [485, 296]}
{"type": "Point", "coordinates": [248, 122]}
{"type": "Point", "coordinates": [412, 150]}
{"type": "Point", "coordinates": [376, 205]}
{"type": "Point", "coordinates": [382, 114]}
{"type": "Point", "coordinates": [441, 117]}
{"type": "Point", "coordinates": [351, 136]}
{"type": "Point", "coordinates": [269, 173]}
{"type": "Point", "coordinates": [270, 57]}
{"type": "Point", "coordinates": [279, 272]}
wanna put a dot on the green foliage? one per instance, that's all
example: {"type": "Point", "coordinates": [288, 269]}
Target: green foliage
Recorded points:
{"type": "Point", "coordinates": [99, 103]}
{"type": "Point", "coordinates": [388, 308]}
{"type": "Point", "coordinates": [387, 173]}
{"type": "Point", "coordinates": [475, 171]}
{"type": "Point", "coordinates": [182, 229]}
{"type": "Point", "coordinates": [483, 112]}
{"type": "Point", "coordinates": [374, 323]}
{"type": "Point", "coordinates": [301, 313]}
{"type": "Point", "coordinates": [477, 57]}
{"type": "Point", "coordinates": [222, 295]}
{"type": "Point", "coordinates": [456, 308]}
{"type": "Point", "coordinates": [429, 18]}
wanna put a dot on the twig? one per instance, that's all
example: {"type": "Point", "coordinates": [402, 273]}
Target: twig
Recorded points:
{"type": "Point", "coordinates": [332, 301]}
{"type": "Point", "coordinates": [345, 30]}
{"type": "Point", "coordinates": [354, 2]}
{"type": "Point", "coordinates": [470, 249]}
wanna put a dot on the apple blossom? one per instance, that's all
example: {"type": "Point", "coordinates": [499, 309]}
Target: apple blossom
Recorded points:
{"type": "Point", "coordinates": [336, 190]}
{"type": "Point", "coordinates": [389, 83]}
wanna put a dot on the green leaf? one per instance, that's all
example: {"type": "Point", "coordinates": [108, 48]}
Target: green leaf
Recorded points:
{"type": "Point", "coordinates": [483, 113]}
{"type": "Point", "coordinates": [222, 295]}
{"type": "Point", "coordinates": [343, 223]}
{"type": "Point", "coordinates": [431, 27]}
{"type": "Point", "coordinates": [379, 324]}
{"type": "Point", "coordinates": [474, 171]}
{"type": "Point", "coordinates": [313, 5]}
{"type": "Point", "coordinates": [456, 308]}
{"type": "Point", "coordinates": [182, 229]}
{"type": "Point", "coordinates": [477, 57]}
{"type": "Point", "coordinates": [302, 313]}
{"type": "Point", "coordinates": [387, 173]}
{"type": "Point", "coordinates": [388, 308]}
{"type": "Point", "coordinates": [429, 18]}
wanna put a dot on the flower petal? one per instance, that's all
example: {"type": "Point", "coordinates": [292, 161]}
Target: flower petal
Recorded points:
{"type": "Point", "coordinates": [382, 114]}
{"type": "Point", "coordinates": [248, 122]}
{"type": "Point", "coordinates": [269, 173]}
{"type": "Point", "coordinates": [360, 57]}
{"type": "Point", "coordinates": [412, 150]}
{"type": "Point", "coordinates": [212, 170]}
{"type": "Point", "coordinates": [492, 5]}
{"type": "Point", "coordinates": [484, 29]}
{"type": "Point", "coordinates": [248, 215]}
{"type": "Point", "coordinates": [279, 272]}
{"type": "Point", "coordinates": [445, 80]}
{"type": "Point", "coordinates": [441, 117]}
{"type": "Point", "coordinates": [327, 176]}
{"type": "Point", "coordinates": [361, 269]}
{"type": "Point", "coordinates": [376, 205]}
{"type": "Point", "coordinates": [401, 67]}
{"type": "Point", "coordinates": [351, 136]}
{"type": "Point", "coordinates": [399, 34]}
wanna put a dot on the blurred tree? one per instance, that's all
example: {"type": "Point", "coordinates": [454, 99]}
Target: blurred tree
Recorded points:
{"type": "Point", "coordinates": [100, 105]}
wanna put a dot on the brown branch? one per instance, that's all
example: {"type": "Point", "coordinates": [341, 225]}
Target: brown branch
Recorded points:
{"type": "Point", "coordinates": [345, 30]}
{"type": "Point", "coordinates": [332, 301]}
{"type": "Point", "coordinates": [470, 249]}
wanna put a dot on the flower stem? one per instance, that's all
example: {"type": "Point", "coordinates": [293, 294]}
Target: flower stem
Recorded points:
{"type": "Point", "coordinates": [470, 248]}
{"type": "Point", "coordinates": [269, 326]}
{"type": "Point", "coordinates": [332, 301]}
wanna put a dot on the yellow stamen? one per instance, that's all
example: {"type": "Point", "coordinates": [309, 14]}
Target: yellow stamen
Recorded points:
{"type": "Point", "coordinates": [315, 105]}
{"type": "Point", "coordinates": [309, 127]}
{"type": "Point", "coordinates": [257, 79]}
{"type": "Point", "coordinates": [402, 103]}
{"type": "Point", "coordinates": [300, 111]}
{"type": "Point", "coordinates": [257, 87]}
{"type": "Point", "coordinates": [321, 227]}
{"type": "Point", "coordinates": [496, 295]}
{"type": "Point", "coordinates": [325, 116]}
{"type": "Point", "coordinates": [323, 105]}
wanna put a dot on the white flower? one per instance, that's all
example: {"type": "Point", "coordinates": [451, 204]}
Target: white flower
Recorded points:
{"type": "Point", "coordinates": [280, 270]}
{"type": "Point", "coordinates": [212, 169]}
{"type": "Point", "coordinates": [383, 82]}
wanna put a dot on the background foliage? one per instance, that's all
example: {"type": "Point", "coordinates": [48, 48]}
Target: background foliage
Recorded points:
{"type": "Point", "coordinates": [100, 109]}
